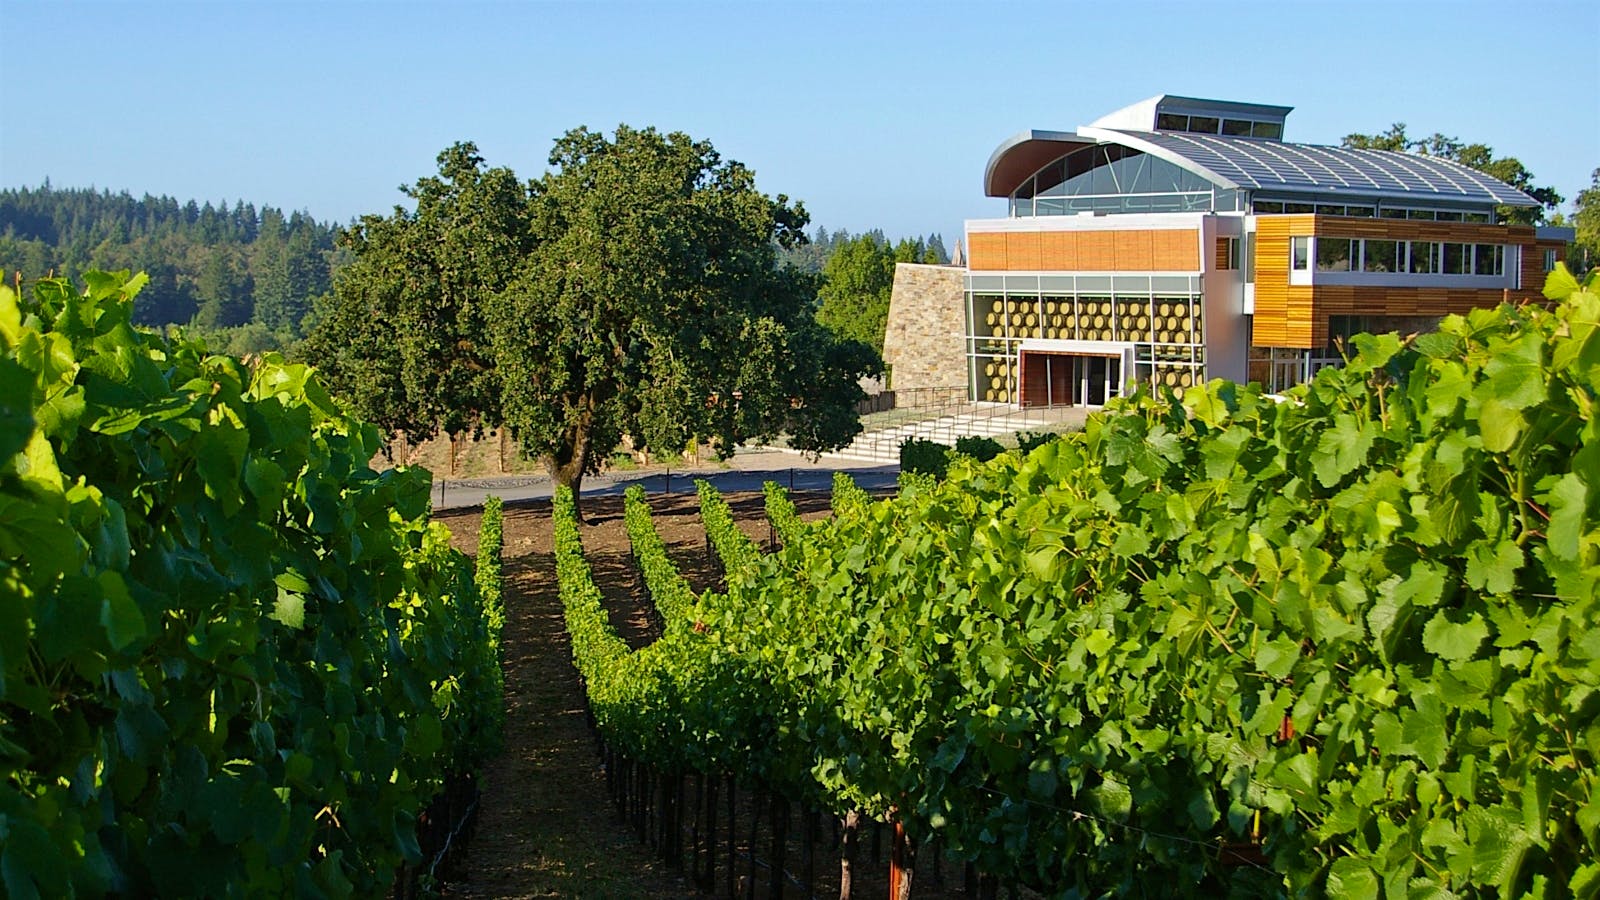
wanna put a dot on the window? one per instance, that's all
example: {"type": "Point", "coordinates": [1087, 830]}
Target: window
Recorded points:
{"type": "Point", "coordinates": [1204, 124]}
{"type": "Point", "coordinates": [1336, 254]}
{"type": "Point", "coordinates": [1236, 127]}
{"type": "Point", "coordinates": [1299, 207]}
{"type": "Point", "coordinates": [1457, 259]}
{"type": "Point", "coordinates": [1228, 253]}
{"type": "Point", "coordinates": [1360, 212]}
{"type": "Point", "coordinates": [1424, 257]}
{"type": "Point", "coordinates": [1249, 257]}
{"type": "Point", "coordinates": [1383, 256]}
{"type": "Point", "coordinates": [1170, 122]}
{"type": "Point", "coordinates": [1267, 206]}
{"type": "Point", "coordinates": [1299, 253]}
{"type": "Point", "coordinates": [1549, 260]}
{"type": "Point", "coordinates": [1488, 259]}
{"type": "Point", "coordinates": [1273, 130]}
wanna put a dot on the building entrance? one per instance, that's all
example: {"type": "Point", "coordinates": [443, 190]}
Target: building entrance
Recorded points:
{"type": "Point", "coordinates": [1068, 379]}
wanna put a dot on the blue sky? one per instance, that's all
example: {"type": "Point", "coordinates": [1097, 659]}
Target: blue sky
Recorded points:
{"type": "Point", "coordinates": [873, 114]}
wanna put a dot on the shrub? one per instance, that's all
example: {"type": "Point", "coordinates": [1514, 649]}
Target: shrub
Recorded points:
{"type": "Point", "coordinates": [1029, 441]}
{"type": "Point", "coordinates": [979, 448]}
{"type": "Point", "coordinates": [925, 457]}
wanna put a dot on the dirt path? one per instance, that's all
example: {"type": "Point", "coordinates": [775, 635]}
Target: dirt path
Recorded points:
{"type": "Point", "coordinates": [546, 826]}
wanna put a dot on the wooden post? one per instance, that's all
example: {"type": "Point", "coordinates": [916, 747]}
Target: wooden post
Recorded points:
{"type": "Point", "coordinates": [755, 828]}
{"type": "Point", "coordinates": [808, 839]}
{"type": "Point", "coordinates": [711, 834]}
{"type": "Point", "coordinates": [733, 839]}
{"type": "Point", "coordinates": [902, 864]}
{"type": "Point", "coordinates": [780, 843]}
{"type": "Point", "coordinates": [847, 851]}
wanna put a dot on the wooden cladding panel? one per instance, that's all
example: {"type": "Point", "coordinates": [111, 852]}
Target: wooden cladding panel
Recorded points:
{"type": "Point", "coordinates": [1220, 259]}
{"type": "Point", "coordinates": [1412, 230]}
{"type": "Point", "coordinates": [1176, 251]}
{"type": "Point", "coordinates": [1297, 315]}
{"type": "Point", "coordinates": [986, 251]}
{"type": "Point", "coordinates": [1133, 250]}
{"type": "Point", "coordinates": [1095, 252]}
{"type": "Point", "coordinates": [1274, 293]}
{"type": "Point", "coordinates": [1058, 251]}
{"type": "Point", "coordinates": [1023, 251]}
{"type": "Point", "coordinates": [1533, 272]}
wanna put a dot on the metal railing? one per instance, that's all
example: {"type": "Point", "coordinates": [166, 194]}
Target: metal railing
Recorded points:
{"type": "Point", "coordinates": [945, 414]}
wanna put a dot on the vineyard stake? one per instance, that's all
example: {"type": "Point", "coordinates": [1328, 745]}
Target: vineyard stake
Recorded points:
{"type": "Point", "coordinates": [733, 840]}
{"type": "Point", "coordinates": [847, 851]}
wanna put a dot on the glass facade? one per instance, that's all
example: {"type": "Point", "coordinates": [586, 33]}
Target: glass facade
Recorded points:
{"type": "Point", "coordinates": [1160, 318]}
{"type": "Point", "coordinates": [1114, 178]}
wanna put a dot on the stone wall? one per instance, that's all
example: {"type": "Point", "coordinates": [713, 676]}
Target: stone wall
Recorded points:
{"type": "Point", "coordinates": [924, 345]}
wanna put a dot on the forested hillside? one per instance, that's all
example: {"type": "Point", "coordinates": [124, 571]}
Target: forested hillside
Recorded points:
{"type": "Point", "coordinates": [214, 266]}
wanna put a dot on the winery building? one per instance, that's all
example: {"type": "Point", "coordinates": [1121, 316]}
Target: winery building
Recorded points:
{"type": "Point", "coordinates": [1179, 240]}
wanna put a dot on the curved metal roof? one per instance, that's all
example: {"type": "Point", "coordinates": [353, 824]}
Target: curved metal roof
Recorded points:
{"type": "Point", "coordinates": [1023, 154]}
{"type": "Point", "coordinates": [1265, 164]}
{"type": "Point", "coordinates": [1261, 164]}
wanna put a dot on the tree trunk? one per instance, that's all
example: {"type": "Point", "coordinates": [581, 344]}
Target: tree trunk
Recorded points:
{"type": "Point", "coordinates": [847, 852]}
{"type": "Point", "coordinates": [566, 469]}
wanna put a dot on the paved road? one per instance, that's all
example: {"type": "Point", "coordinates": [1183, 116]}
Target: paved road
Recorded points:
{"type": "Point", "coordinates": [746, 471]}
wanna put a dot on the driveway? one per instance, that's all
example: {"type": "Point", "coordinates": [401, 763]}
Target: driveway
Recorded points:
{"type": "Point", "coordinates": [745, 471]}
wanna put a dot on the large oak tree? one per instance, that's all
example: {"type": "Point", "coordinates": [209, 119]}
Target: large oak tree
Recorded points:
{"type": "Point", "coordinates": [653, 306]}
{"type": "Point", "coordinates": [632, 290]}
{"type": "Point", "coordinates": [403, 336]}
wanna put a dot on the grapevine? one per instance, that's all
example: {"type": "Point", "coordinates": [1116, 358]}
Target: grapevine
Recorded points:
{"type": "Point", "coordinates": [233, 658]}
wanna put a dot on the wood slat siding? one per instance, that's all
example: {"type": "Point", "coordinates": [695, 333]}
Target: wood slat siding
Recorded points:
{"type": "Point", "coordinates": [1133, 250]}
{"type": "Point", "coordinates": [1220, 261]}
{"type": "Point", "coordinates": [986, 251]}
{"type": "Point", "coordinates": [1297, 315]}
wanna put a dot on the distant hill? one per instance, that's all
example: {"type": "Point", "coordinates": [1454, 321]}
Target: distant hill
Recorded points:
{"type": "Point", "coordinates": [212, 266]}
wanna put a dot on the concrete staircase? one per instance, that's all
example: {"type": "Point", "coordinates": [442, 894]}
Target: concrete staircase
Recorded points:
{"type": "Point", "coordinates": [883, 445]}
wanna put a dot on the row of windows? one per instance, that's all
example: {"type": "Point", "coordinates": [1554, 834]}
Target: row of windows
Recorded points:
{"type": "Point", "coordinates": [1232, 127]}
{"type": "Point", "coordinates": [1271, 207]}
{"type": "Point", "coordinates": [1204, 201]}
{"type": "Point", "coordinates": [1417, 257]}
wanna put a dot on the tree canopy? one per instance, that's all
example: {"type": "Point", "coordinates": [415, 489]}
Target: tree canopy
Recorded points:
{"type": "Point", "coordinates": [858, 278]}
{"type": "Point", "coordinates": [635, 289]}
{"type": "Point", "coordinates": [218, 266]}
{"type": "Point", "coordinates": [1585, 222]}
{"type": "Point", "coordinates": [1474, 156]}
{"type": "Point", "coordinates": [403, 334]}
